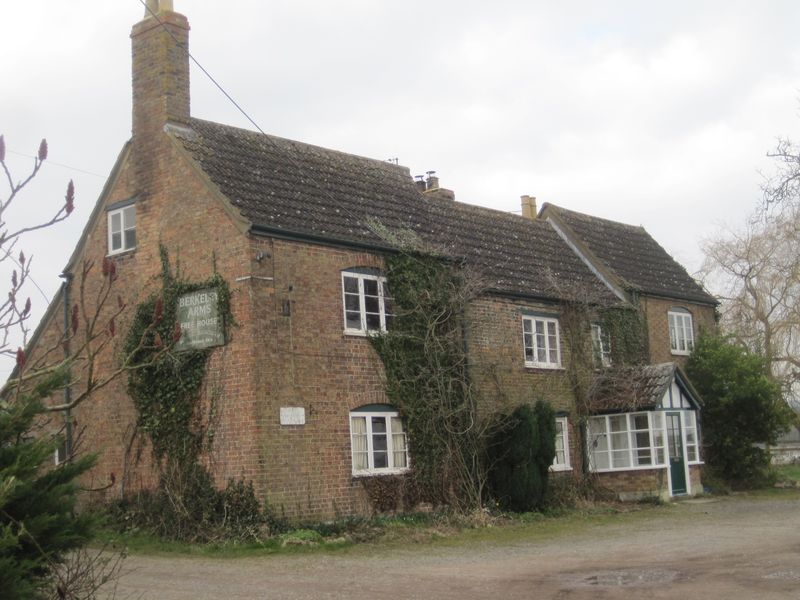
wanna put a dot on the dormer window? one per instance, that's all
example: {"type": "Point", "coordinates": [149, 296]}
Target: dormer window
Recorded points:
{"type": "Point", "coordinates": [367, 304]}
{"type": "Point", "coordinates": [681, 332]}
{"type": "Point", "coordinates": [121, 228]}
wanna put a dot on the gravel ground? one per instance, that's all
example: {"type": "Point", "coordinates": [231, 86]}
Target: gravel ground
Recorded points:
{"type": "Point", "coordinates": [731, 548]}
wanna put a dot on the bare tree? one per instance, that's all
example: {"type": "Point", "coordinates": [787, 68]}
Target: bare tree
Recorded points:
{"type": "Point", "coordinates": [756, 274]}
{"type": "Point", "coordinates": [782, 188]}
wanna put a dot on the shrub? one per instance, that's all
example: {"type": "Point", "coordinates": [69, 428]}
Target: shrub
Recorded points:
{"type": "Point", "coordinates": [743, 406]}
{"type": "Point", "coordinates": [519, 458]}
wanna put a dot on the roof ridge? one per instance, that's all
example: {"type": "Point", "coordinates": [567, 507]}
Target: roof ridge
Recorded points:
{"type": "Point", "coordinates": [592, 217]}
{"type": "Point", "coordinates": [322, 149]}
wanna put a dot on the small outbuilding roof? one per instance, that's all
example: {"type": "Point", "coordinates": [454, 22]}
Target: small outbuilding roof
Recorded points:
{"type": "Point", "coordinates": [637, 388]}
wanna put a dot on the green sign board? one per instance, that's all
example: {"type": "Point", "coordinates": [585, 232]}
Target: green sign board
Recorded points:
{"type": "Point", "coordinates": [198, 316]}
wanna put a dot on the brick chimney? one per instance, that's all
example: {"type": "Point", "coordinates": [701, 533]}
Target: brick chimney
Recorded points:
{"type": "Point", "coordinates": [160, 69]}
{"type": "Point", "coordinates": [432, 189]}
{"type": "Point", "coordinates": [528, 207]}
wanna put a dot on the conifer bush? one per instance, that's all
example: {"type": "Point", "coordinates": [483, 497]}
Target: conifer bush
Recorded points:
{"type": "Point", "coordinates": [519, 457]}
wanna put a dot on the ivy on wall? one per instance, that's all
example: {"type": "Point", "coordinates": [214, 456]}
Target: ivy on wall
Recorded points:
{"type": "Point", "coordinates": [166, 392]}
{"type": "Point", "coordinates": [427, 377]}
{"type": "Point", "coordinates": [627, 329]}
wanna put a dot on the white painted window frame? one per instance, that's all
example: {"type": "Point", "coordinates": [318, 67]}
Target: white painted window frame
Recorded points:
{"type": "Point", "coordinates": [563, 435]}
{"type": "Point", "coordinates": [383, 299]}
{"type": "Point", "coordinates": [391, 469]}
{"type": "Point", "coordinates": [124, 227]}
{"type": "Point", "coordinates": [681, 332]}
{"type": "Point", "coordinates": [601, 348]}
{"type": "Point", "coordinates": [533, 320]}
{"type": "Point", "coordinates": [657, 451]}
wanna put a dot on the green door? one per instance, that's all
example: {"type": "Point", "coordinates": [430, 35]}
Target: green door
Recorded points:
{"type": "Point", "coordinates": [677, 461]}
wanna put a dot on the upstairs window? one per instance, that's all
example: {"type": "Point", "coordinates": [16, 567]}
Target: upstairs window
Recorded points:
{"type": "Point", "coordinates": [681, 333]}
{"type": "Point", "coordinates": [378, 441]}
{"type": "Point", "coordinates": [367, 304]}
{"type": "Point", "coordinates": [540, 338]}
{"type": "Point", "coordinates": [122, 229]}
{"type": "Point", "coordinates": [601, 346]}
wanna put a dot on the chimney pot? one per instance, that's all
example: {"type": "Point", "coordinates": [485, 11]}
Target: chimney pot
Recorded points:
{"type": "Point", "coordinates": [528, 207]}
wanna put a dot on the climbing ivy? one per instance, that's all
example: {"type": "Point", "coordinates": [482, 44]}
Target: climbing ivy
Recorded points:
{"type": "Point", "coordinates": [427, 377]}
{"type": "Point", "coordinates": [627, 330]}
{"type": "Point", "coordinates": [166, 391]}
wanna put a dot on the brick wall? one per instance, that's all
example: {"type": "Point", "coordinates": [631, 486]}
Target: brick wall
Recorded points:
{"type": "Point", "coordinates": [655, 311]}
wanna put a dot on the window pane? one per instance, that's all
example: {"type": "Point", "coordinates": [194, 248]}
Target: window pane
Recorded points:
{"type": "Point", "coordinates": [353, 320]}
{"type": "Point", "coordinates": [618, 423]}
{"type": "Point", "coordinates": [116, 222]}
{"type": "Point", "coordinates": [619, 441]}
{"type": "Point", "coordinates": [351, 302]}
{"type": "Point", "coordinates": [370, 287]}
{"type": "Point", "coordinates": [130, 239]}
{"type": "Point", "coordinates": [116, 241]}
{"type": "Point", "coordinates": [358, 427]}
{"type": "Point", "coordinates": [129, 216]}
{"type": "Point", "coordinates": [620, 459]}
{"type": "Point", "coordinates": [379, 443]}
{"type": "Point", "coordinates": [526, 325]}
{"type": "Point", "coordinates": [398, 444]}
{"type": "Point", "coordinates": [643, 439]}
{"type": "Point", "coordinates": [371, 304]}
{"type": "Point", "coordinates": [640, 421]}
{"type": "Point", "coordinates": [541, 352]}
{"type": "Point", "coordinates": [373, 322]}
{"type": "Point", "coordinates": [351, 285]}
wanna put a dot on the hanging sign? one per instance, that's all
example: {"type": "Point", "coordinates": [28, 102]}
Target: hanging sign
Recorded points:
{"type": "Point", "coordinates": [198, 316]}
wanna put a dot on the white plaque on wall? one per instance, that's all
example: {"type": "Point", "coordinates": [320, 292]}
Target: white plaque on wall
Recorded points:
{"type": "Point", "coordinates": [293, 415]}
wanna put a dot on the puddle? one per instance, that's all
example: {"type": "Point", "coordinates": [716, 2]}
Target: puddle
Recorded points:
{"type": "Point", "coordinates": [621, 578]}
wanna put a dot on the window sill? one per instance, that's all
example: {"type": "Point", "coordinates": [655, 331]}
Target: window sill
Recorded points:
{"type": "Point", "coordinates": [680, 352]}
{"type": "Point", "coordinates": [544, 367]}
{"type": "Point", "coordinates": [560, 469]}
{"type": "Point", "coordinates": [121, 253]}
{"type": "Point", "coordinates": [379, 473]}
{"type": "Point", "coordinates": [362, 333]}
{"type": "Point", "coordinates": [623, 469]}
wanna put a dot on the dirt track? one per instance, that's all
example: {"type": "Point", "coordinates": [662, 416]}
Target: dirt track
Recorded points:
{"type": "Point", "coordinates": [729, 548]}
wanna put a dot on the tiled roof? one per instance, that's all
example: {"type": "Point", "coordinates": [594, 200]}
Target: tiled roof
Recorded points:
{"type": "Point", "coordinates": [296, 189]}
{"type": "Point", "coordinates": [630, 388]}
{"type": "Point", "coordinates": [633, 255]}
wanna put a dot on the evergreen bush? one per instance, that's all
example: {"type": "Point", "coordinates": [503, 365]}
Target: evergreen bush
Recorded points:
{"type": "Point", "coordinates": [519, 457]}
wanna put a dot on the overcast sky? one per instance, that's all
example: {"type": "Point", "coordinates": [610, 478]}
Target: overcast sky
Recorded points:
{"type": "Point", "coordinates": [655, 114]}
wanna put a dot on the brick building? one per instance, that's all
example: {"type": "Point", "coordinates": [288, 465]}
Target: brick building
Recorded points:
{"type": "Point", "coordinates": [301, 407]}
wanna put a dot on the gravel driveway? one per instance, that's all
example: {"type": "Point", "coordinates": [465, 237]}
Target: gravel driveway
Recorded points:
{"type": "Point", "coordinates": [734, 547]}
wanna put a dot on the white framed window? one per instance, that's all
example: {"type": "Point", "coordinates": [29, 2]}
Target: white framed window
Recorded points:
{"type": "Point", "coordinates": [690, 433]}
{"type": "Point", "coordinates": [122, 229]}
{"type": "Point", "coordinates": [366, 301]}
{"type": "Point", "coordinates": [561, 460]}
{"type": "Point", "coordinates": [540, 339]}
{"type": "Point", "coordinates": [626, 441]}
{"type": "Point", "coordinates": [378, 441]}
{"type": "Point", "coordinates": [681, 333]}
{"type": "Point", "coordinates": [601, 346]}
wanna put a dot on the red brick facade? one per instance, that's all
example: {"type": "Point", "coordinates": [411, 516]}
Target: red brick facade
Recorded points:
{"type": "Point", "coordinates": [288, 348]}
